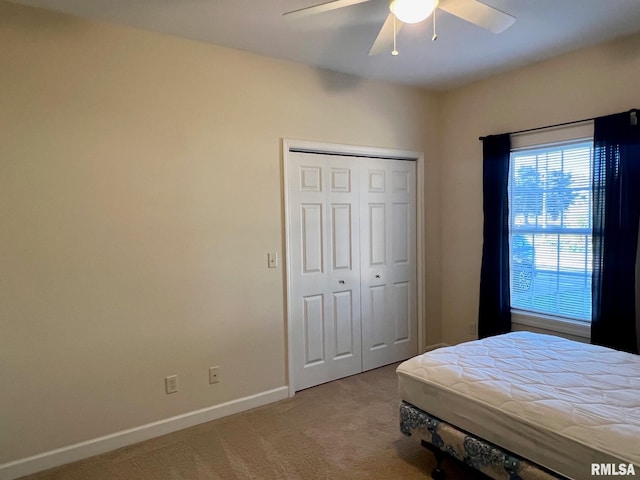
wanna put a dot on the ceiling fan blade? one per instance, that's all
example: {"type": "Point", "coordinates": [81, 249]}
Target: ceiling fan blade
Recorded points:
{"type": "Point", "coordinates": [384, 40]}
{"type": "Point", "coordinates": [479, 14]}
{"type": "Point", "coordinates": [323, 7]}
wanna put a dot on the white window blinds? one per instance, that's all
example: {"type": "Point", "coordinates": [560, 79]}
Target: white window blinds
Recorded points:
{"type": "Point", "coordinates": [550, 228]}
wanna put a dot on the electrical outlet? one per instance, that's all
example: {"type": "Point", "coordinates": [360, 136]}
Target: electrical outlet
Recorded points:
{"type": "Point", "coordinates": [214, 374]}
{"type": "Point", "coordinates": [171, 384]}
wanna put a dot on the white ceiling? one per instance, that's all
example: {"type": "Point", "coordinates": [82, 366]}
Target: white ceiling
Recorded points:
{"type": "Point", "coordinates": [340, 40]}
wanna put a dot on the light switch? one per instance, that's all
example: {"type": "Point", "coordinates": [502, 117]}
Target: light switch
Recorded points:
{"type": "Point", "coordinates": [272, 259]}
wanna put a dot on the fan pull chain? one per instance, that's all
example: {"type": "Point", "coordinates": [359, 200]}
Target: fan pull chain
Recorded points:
{"type": "Point", "coordinates": [435, 35]}
{"type": "Point", "coordinates": [394, 52]}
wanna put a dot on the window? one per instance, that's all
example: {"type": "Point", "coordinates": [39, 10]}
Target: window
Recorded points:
{"type": "Point", "coordinates": [550, 229]}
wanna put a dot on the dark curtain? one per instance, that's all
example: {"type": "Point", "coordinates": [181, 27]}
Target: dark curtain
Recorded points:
{"type": "Point", "coordinates": [495, 310]}
{"type": "Point", "coordinates": [616, 210]}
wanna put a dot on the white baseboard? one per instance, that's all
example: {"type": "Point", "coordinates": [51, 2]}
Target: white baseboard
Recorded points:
{"type": "Point", "coordinates": [96, 446]}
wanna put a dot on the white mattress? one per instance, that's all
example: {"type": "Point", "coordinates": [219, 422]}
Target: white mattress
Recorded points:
{"type": "Point", "coordinates": [559, 403]}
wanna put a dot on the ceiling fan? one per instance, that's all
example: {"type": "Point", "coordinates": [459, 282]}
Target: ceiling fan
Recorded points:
{"type": "Point", "coordinates": [415, 11]}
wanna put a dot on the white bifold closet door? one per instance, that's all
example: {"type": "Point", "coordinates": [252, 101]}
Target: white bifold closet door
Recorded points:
{"type": "Point", "coordinates": [324, 270]}
{"type": "Point", "coordinates": [388, 261]}
{"type": "Point", "coordinates": [352, 264]}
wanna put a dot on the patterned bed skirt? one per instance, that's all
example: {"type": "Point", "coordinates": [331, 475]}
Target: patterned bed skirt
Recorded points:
{"type": "Point", "coordinates": [479, 454]}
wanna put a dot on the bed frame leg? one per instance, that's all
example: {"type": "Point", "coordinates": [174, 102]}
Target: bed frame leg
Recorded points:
{"type": "Point", "coordinates": [437, 473]}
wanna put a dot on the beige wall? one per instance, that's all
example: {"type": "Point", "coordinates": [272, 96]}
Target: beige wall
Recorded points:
{"type": "Point", "coordinates": [589, 83]}
{"type": "Point", "coordinates": [140, 191]}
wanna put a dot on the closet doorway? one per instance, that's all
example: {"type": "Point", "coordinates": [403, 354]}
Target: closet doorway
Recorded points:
{"type": "Point", "coordinates": [352, 232]}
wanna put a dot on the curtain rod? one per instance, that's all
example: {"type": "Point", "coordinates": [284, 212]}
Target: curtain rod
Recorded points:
{"type": "Point", "coordinates": [634, 110]}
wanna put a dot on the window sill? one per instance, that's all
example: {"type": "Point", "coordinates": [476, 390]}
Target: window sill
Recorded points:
{"type": "Point", "coordinates": [552, 324]}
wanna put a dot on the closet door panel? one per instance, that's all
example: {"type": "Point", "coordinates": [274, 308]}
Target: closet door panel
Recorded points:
{"type": "Point", "coordinates": [388, 269]}
{"type": "Point", "coordinates": [324, 270]}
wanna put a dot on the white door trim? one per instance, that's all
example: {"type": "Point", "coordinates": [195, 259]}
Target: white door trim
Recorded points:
{"type": "Point", "coordinates": [375, 152]}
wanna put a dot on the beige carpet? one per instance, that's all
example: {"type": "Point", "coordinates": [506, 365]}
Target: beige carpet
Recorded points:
{"type": "Point", "coordinates": [347, 429]}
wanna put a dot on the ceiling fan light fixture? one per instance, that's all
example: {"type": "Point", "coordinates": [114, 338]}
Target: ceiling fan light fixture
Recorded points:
{"type": "Point", "coordinates": [412, 11]}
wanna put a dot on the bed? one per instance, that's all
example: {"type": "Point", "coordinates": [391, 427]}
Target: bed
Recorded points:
{"type": "Point", "coordinates": [526, 406]}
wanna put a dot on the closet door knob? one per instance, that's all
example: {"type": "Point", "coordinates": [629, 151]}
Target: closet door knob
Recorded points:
{"type": "Point", "coordinates": [341, 282]}
{"type": "Point", "coordinates": [378, 276]}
